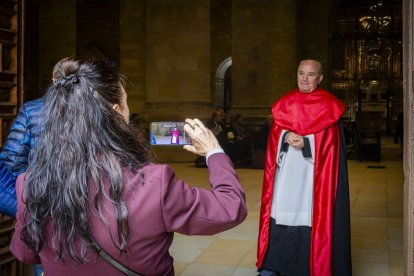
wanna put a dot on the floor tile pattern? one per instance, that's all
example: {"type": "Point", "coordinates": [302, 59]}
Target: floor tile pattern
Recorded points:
{"type": "Point", "coordinates": [376, 196]}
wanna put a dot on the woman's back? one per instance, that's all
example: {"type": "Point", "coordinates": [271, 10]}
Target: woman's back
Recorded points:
{"type": "Point", "coordinates": [158, 205]}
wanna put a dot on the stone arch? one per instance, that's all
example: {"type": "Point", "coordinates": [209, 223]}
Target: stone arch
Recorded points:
{"type": "Point", "coordinates": [219, 97]}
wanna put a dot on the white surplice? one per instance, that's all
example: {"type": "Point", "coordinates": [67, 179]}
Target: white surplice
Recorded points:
{"type": "Point", "coordinates": [293, 187]}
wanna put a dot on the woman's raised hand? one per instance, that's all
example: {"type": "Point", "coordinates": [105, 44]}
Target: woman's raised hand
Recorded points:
{"type": "Point", "coordinates": [203, 140]}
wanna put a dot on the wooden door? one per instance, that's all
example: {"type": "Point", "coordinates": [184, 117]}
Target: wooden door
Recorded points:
{"type": "Point", "coordinates": [11, 41]}
{"type": "Point", "coordinates": [10, 62]}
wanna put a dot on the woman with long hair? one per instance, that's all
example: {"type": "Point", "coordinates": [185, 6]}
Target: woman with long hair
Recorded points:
{"type": "Point", "coordinates": [92, 186]}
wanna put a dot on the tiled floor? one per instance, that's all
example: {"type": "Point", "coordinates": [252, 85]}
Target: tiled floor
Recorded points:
{"type": "Point", "coordinates": [376, 194]}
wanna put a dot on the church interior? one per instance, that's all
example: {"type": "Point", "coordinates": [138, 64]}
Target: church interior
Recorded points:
{"type": "Point", "coordinates": [186, 58]}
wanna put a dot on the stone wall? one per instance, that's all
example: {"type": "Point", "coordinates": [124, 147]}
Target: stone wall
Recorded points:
{"type": "Point", "coordinates": [170, 49]}
{"type": "Point", "coordinates": [264, 54]}
{"type": "Point", "coordinates": [408, 40]}
{"type": "Point", "coordinates": [178, 59]}
{"type": "Point", "coordinates": [133, 51]}
{"type": "Point", "coordinates": [57, 37]}
{"type": "Point", "coordinates": [98, 24]}
{"type": "Point", "coordinates": [315, 29]}
{"type": "Point", "coordinates": [221, 39]}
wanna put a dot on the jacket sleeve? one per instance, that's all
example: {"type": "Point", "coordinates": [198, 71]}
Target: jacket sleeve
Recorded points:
{"type": "Point", "coordinates": [8, 199]}
{"type": "Point", "coordinates": [16, 149]}
{"type": "Point", "coordinates": [17, 245]}
{"type": "Point", "coordinates": [195, 211]}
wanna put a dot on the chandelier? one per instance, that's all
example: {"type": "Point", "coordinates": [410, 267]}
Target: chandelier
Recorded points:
{"type": "Point", "coordinates": [375, 23]}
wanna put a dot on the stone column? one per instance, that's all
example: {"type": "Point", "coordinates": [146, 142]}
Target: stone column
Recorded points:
{"type": "Point", "coordinates": [57, 35]}
{"type": "Point", "coordinates": [408, 65]}
{"type": "Point", "coordinates": [315, 21]}
{"type": "Point", "coordinates": [220, 47]}
{"type": "Point", "coordinates": [263, 52]}
{"type": "Point", "coordinates": [178, 59]}
{"type": "Point", "coordinates": [132, 51]}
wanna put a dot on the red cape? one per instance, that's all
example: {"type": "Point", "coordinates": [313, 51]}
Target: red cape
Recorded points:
{"type": "Point", "coordinates": [315, 113]}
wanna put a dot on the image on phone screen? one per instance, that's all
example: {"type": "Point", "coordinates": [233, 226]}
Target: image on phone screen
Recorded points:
{"type": "Point", "coordinates": [168, 133]}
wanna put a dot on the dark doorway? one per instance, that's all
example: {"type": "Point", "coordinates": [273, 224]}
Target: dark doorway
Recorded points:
{"type": "Point", "coordinates": [367, 61]}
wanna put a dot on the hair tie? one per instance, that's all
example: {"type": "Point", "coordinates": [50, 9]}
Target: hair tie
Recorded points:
{"type": "Point", "coordinates": [62, 80]}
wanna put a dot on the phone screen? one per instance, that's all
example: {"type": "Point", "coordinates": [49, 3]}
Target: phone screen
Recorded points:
{"type": "Point", "coordinates": [168, 133]}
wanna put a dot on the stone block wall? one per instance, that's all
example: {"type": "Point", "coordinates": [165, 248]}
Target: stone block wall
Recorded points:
{"type": "Point", "coordinates": [178, 58]}
{"type": "Point", "coordinates": [170, 50]}
{"type": "Point", "coordinates": [98, 25]}
{"type": "Point", "coordinates": [57, 36]}
{"type": "Point", "coordinates": [315, 28]}
{"type": "Point", "coordinates": [221, 39]}
{"type": "Point", "coordinates": [133, 51]}
{"type": "Point", "coordinates": [264, 53]}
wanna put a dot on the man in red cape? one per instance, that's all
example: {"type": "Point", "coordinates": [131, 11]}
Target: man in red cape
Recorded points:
{"type": "Point", "coordinates": [304, 218]}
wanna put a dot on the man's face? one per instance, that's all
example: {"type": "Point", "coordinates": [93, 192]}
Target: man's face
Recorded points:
{"type": "Point", "coordinates": [220, 116]}
{"type": "Point", "coordinates": [308, 76]}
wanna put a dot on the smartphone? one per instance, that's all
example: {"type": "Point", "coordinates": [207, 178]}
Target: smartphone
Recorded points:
{"type": "Point", "coordinates": [168, 133]}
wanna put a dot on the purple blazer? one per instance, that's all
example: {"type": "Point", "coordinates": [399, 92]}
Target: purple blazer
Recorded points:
{"type": "Point", "coordinates": [158, 204]}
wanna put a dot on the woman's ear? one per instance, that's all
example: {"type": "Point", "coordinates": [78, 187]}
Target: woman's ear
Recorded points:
{"type": "Point", "coordinates": [117, 108]}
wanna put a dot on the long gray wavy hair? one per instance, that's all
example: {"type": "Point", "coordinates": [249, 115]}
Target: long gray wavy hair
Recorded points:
{"type": "Point", "coordinates": [85, 142]}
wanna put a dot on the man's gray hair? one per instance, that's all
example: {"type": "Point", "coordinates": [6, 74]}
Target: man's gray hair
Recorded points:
{"type": "Point", "coordinates": [320, 69]}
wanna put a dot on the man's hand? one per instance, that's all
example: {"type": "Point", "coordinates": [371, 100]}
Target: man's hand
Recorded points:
{"type": "Point", "coordinates": [295, 140]}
